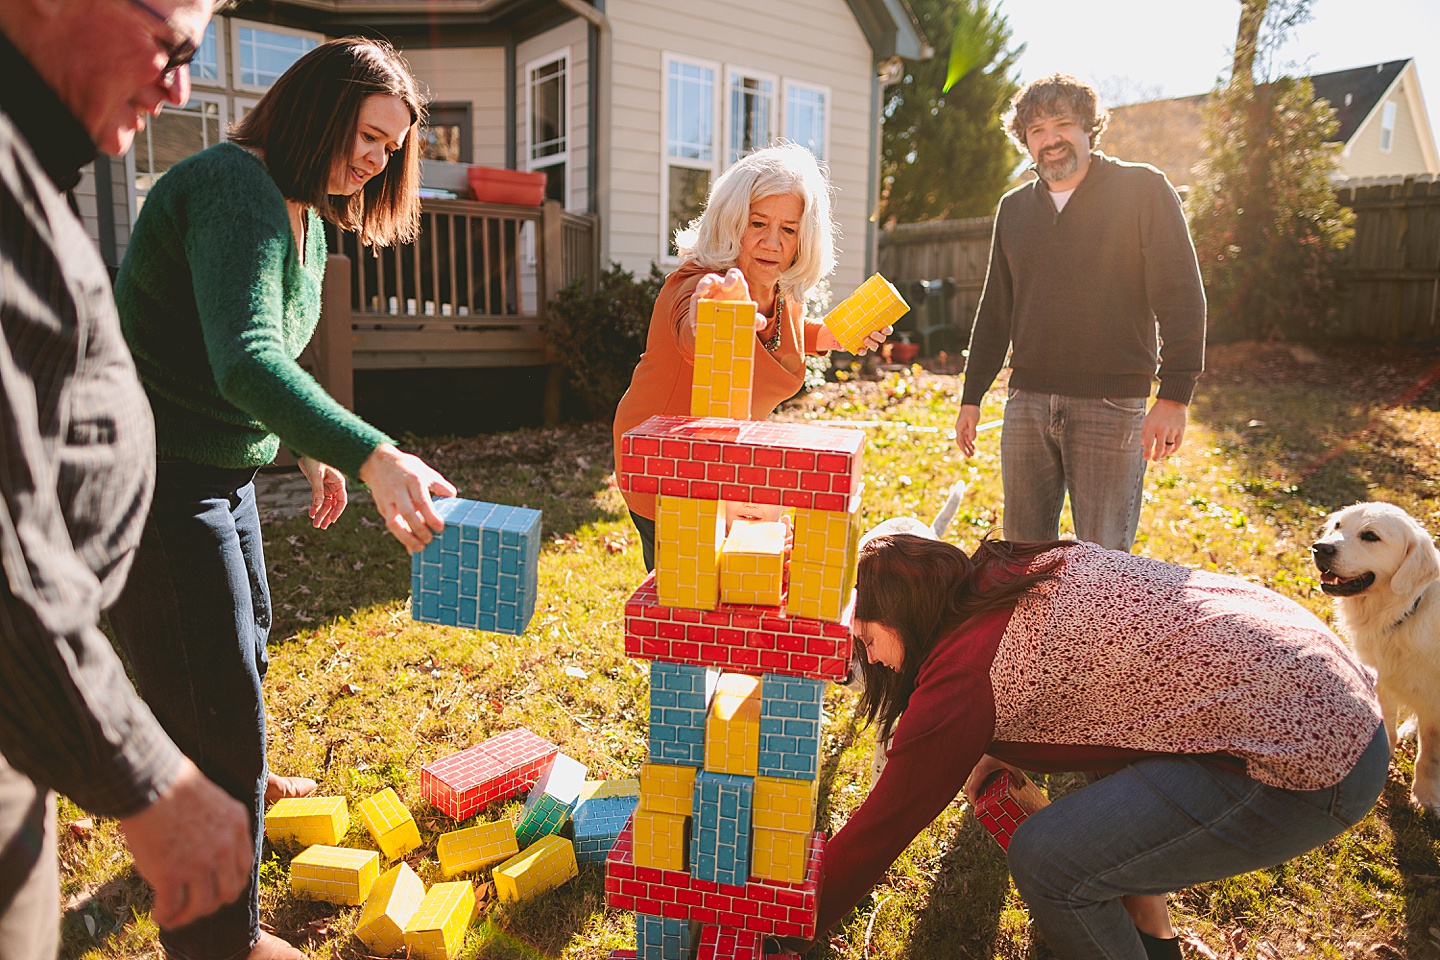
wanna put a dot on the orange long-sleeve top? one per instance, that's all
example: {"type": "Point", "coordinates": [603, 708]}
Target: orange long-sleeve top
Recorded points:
{"type": "Point", "coordinates": [662, 380]}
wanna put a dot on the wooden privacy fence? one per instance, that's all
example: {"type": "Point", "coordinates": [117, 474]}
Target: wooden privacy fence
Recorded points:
{"type": "Point", "coordinates": [1390, 283]}
{"type": "Point", "coordinates": [955, 250]}
{"type": "Point", "coordinates": [470, 291]}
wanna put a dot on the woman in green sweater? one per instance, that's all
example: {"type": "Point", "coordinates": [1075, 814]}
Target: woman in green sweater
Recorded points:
{"type": "Point", "coordinates": [218, 294]}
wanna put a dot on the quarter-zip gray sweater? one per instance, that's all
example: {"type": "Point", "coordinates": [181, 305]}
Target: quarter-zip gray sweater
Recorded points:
{"type": "Point", "coordinates": [1081, 294]}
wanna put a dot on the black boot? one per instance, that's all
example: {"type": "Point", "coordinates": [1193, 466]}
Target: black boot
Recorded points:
{"type": "Point", "coordinates": [1158, 949]}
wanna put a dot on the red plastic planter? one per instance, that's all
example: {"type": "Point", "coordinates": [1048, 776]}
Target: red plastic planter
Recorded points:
{"type": "Point", "coordinates": [495, 185]}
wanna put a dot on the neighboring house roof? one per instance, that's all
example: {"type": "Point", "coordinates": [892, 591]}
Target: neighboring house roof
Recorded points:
{"type": "Point", "coordinates": [891, 28]}
{"type": "Point", "coordinates": [1166, 133]}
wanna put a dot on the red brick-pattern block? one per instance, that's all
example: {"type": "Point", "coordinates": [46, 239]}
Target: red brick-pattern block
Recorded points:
{"type": "Point", "coordinates": [747, 639]}
{"type": "Point", "coordinates": [727, 943]}
{"type": "Point", "coordinates": [765, 907]}
{"type": "Point", "coordinates": [501, 767]}
{"type": "Point", "coordinates": [750, 461]}
{"type": "Point", "coordinates": [1005, 800]}
{"type": "Point", "coordinates": [622, 955]}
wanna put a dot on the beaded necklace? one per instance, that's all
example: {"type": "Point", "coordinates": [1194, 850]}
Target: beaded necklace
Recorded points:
{"type": "Point", "coordinates": [773, 343]}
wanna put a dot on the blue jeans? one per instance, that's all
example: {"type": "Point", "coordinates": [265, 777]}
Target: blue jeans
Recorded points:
{"type": "Point", "coordinates": [193, 622]}
{"type": "Point", "coordinates": [1162, 825]}
{"type": "Point", "coordinates": [646, 529]}
{"type": "Point", "coordinates": [1088, 446]}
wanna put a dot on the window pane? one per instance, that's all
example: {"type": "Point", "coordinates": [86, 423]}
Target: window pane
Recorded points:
{"type": "Point", "coordinates": [805, 119]}
{"type": "Point", "coordinates": [172, 136]}
{"type": "Point", "coordinates": [547, 110]}
{"type": "Point", "coordinates": [688, 189]}
{"type": "Point", "coordinates": [691, 124]}
{"type": "Point", "coordinates": [749, 115]}
{"type": "Point", "coordinates": [1387, 126]}
{"type": "Point", "coordinates": [264, 55]}
{"type": "Point", "coordinates": [555, 182]}
{"type": "Point", "coordinates": [206, 65]}
{"type": "Point", "coordinates": [440, 142]}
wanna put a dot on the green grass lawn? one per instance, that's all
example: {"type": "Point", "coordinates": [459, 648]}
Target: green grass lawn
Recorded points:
{"type": "Point", "coordinates": [360, 697]}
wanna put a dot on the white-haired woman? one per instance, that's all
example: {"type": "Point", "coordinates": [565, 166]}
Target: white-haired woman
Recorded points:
{"type": "Point", "coordinates": [767, 228]}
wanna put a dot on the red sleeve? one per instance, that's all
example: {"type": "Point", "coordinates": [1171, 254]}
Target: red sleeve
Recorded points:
{"type": "Point", "coordinates": [944, 731]}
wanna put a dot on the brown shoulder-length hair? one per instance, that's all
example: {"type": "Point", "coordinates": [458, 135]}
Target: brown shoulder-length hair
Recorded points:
{"type": "Point", "coordinates": [306, 122]}
{"type": "Point", "coordinates": [926, 589]}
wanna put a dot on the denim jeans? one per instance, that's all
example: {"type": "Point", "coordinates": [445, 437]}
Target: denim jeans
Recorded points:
{"type": "Point", "coordinates": [29, 869]}
{"type": "Point", "coordinates": [1163, 825]}
{"type": "Point", "coordinates": [193, 622]}
{"type": "Point", "coordinates": [646, 529]}
{"type": "Point", "coordinates": [1088, 446]}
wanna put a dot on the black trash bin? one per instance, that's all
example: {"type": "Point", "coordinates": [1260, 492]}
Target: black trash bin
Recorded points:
{"type": "Point", "coordinates": [929, 316]}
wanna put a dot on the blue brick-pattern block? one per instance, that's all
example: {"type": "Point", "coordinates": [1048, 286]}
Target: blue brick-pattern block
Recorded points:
{"type": "Point", "coordinates": [790, 726]}
{"type": "Point", "coordinates": [662, 938]}
{"type": "Point", "coordinates": [598, 824]}
{"type": "Point", "coordinates": [480, 572]}
{"type": "Point", "coordinates": [721, 834]}
{"type": "Point", "coordinates": [679, 700]}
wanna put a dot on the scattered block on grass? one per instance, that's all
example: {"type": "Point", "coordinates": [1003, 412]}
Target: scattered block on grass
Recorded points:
{"type": "Point", "coordinates": [551, 800]}
{"type": "Point", "coordinates": [1006, 799]}
{"type": "Point", "coordinates": [721, 835]}
{"type": "Point", "coordinates": [667, 788]}
{"type": "Point", "coordinates": [390, 824]}
{"type": "Point", "coordinates": [597, 823]}
{"type": "Point", "coordinates": [664, 938]}
{"type": "Point", "coordinates": [732, 731]}
{"type": "Point", "coordinates": [679, 700]}
{"type": "Point", "coordinates": [542, 866]}
{"type": "Point", "coordinates": [661, 839]}
{"type": "Point", "coordinates": [724, 359]}
{"type": "Point", "coordinates": [605, 789]}
{"type": "Point", "coordinates": [499, 768]}
{"type": "Point", "coordinates": [437, 929]}
{"type": "Point", "coordinates": [308, 820]}
{"type": "Point", "coordinates": [392, 902]}
{"type": "Point", "coordinates": [790, 726]}
{"type": "Point", "coordinates": [337, 874]}
{"type": "Point", "coordinates": [470, 849]}
{"type": "Point", "coordinates": [752, 564]}
{"type": "Point", "coordinates": [874, 304]}
{"type": "Point", "coordinates": [481, 571]}
{"type": "Point", "coordinates": [688, 536]}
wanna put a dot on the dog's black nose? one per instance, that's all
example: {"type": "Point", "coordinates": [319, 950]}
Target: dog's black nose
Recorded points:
{"type": "Point", "coordinates": [1322, 549]}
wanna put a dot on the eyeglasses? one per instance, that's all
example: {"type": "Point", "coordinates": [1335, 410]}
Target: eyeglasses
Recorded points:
{"type": "Point", "coordinates": [177, 54]}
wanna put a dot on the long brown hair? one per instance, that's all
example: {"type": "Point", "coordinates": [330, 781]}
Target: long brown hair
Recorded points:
{"type": "Point", "coordinates": [924, 590]}
{"type": "Point", "coordinates": [308, 119]}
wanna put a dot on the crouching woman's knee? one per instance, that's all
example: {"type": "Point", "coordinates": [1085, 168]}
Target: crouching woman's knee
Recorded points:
{"type": "Point", "coordinates": [1037, 860]}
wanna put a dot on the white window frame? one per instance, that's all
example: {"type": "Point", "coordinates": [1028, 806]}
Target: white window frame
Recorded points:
{"type": "Point", "coordinates": [532, 164]}
{"type": "Point", "coordinates": [1389, 112]}
{"type": "Point", "coordinates": [791, 83]}
{"type": "Point", "coordinates": [235, 27]}
{"type": "Point", "coordinates": [133, 195]}
{"type": "Point", "coordinates": [240, 103]}
{"type": "Point", "coordinates": [728, 119]}
{"type": "Point", "coordinates": [222, 61]}
{"type": "Point", "coordinates": [717, 142]}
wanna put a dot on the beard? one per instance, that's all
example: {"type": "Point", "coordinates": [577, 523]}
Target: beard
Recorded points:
{"type": "Point", "coordinates": [1058, 167]}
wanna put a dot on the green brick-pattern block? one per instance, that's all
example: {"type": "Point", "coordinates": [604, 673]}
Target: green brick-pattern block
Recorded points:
{"type": "Point", "coordinates": [547, 816]}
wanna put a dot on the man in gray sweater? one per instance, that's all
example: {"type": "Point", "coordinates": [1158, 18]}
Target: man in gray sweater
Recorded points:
{"type": "Point", "coordinates": [1091, 270]}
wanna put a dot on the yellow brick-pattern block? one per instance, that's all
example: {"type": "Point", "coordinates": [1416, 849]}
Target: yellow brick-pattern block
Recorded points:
{"type": "Point", "coordinates": [437, 929]}
{"type": "Point", "coordinates": [823, 537]}
{"type": "Point", "coordinates": [391, 826]}
{"type": "Point", "coordinates": [780, 803]}
{"type": "Point", "coordinates": [601, 789]}
{"type": "Point", "coordinates": [732, 728]}
{"type": "Point", "coordinates": [544, 865]}
{"type": "Point", "coordinates": [337, 874]}
{"type": "Point", "coordinates": [724, 359]}
{"type": "Point", "coordinates": [688, 535]}
{"type": "Point", "coordinates": [752, 563]}
{"type": "Point", "coordinates": [667, 788]}
{"type": "Point", "coordinates": [462, 851]}
{"type": "Point", "coordinates": [308, 820]}
{"type": "Point", "coordinates": [779, 855]}
{"type": "Point", "coordinates": [659, 840]}
{"type": "Point", "coordinates": [874, 304]}
{"type": "Point", "coordinates": [822, 591]}
{"type": "Point", "coordinates": [392, 902]}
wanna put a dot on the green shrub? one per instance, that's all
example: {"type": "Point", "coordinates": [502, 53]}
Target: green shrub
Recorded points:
{"type": "Point", "coordinates": [598, 337]}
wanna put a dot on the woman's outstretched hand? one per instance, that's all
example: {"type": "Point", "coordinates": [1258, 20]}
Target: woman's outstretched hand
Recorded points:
{"type": "Point", "coordinates": [402, 484]}
{"type": "Point", "coordinates": [713, 286]}
{"type": "Point", "coordinates": [981, 773]}
{"type": "Point", "coordinates": [328, 496]}
{"type": "Point", "coordinates": [826, 341]}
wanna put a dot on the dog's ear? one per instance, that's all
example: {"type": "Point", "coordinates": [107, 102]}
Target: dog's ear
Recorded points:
{"type": "Point", "coordinates": [1420, 566]}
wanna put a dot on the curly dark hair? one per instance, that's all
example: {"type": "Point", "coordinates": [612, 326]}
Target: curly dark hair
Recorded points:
{"type": "Point", "coordinates": [1057, 95]}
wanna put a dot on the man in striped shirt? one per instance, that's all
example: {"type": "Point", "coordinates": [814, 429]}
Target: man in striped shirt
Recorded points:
{"type": "Point", "coordinates": [76, 471]}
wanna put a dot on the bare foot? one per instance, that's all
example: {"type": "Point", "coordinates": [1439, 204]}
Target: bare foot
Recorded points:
{"type": "Point", "coordinates": [271, 947]}
{"type": "Point", "coordinates": [287, 788]}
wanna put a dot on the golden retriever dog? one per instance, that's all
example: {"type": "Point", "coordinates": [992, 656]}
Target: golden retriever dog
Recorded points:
{"type": "Point", "coordinates": [1383, 570]}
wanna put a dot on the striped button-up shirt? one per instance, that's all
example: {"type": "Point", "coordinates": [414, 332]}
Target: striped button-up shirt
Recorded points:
{"type": "Point", "coordinates": [76, 471]}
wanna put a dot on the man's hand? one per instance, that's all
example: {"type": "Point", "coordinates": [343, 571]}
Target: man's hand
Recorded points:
{"type": "Point", "coordinates": [1164, 430]}
{"type": "Point", "coordinates": [967, 425]}
{"type": "Point", "coordinates": [402, 484]}
{"type": "Point", "coordinates": [327, 492]}
{"type": "Point", "coordinates": [981, 773]}
{"type": "Point", "coordinates": [193, 845]}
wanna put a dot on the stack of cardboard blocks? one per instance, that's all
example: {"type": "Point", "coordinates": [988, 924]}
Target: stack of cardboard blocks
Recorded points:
{"type": "Point", "coordinates": [481, 571]}
{"type": "Point", "coordinates": [722, 850]}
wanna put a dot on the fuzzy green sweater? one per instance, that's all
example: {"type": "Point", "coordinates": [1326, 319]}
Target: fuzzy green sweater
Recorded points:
{"type": "Point", "coordinates": [216, 306]}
